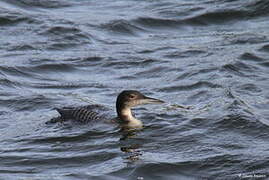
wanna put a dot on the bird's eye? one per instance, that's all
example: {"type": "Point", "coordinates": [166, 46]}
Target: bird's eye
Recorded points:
{"type": "Point", "coordinates": [132, 96]}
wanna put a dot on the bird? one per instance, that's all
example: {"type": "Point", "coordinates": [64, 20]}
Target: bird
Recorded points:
{"type": "Point", "coordinates": [126, 100]}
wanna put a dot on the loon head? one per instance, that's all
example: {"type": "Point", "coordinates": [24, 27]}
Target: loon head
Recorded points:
{"type": "Point", "coordinates": [128, 99]}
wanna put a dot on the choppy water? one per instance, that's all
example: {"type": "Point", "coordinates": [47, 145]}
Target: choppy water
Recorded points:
{"type": "Point", "coordinates": [210, 55]}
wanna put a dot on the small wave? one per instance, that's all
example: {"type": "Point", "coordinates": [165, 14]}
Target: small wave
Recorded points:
{"type": "Point", "coordinates": [240, 68]}
{"type": "Point", "coordinates": [58, 30]}
{"type": "Point", "coordinates": [197, 85]}
{"type": "Point", "coordinates": [26, 103]}
{"type": "Point", "coordinates": [265, 48]}
{"type": "Point", "coordinates": [22, 47]}
{"type": "Point", "coordinates": [63, 31]}
{"type": "Point", "coordinates": [185, 54]}
{"type": "Point", "coordinates": [85, 61]}
{"type": "Point", "coordinates": [225, 15]}
{"type": "Point", "coordinates": [45, 3]}
{"type": "Point", "coordinates": [63, 37]}
{"type": "Point", "coordinates": [122, 27]}
{"type": "Point", "coordinates": [66, 85]}
{"type": "Point", "coordinates": [62, 45]}
{"type": "Point", "coordinates": [67, 138]}
{"type": "Point", "coordinates": [148, 51]}
{"type": "Point", "coordinates": [126, 63]}
{"type": "Point", "coordinates": [32, 74]}
{"type": "Point", "coordinates": [92, 59]}
{"type": "Point", "coordinates": [27, 73]}
{"type": "Point", "coordinates": [173, 11]}
{"type": "Point", "coordinates": [217, 17]}
{"type": "Point", "coordinates": [162, 170]}
{"type": "Point", "coordinates": [265, 64]}
{"type": "Point", "coordinates": [250, 88]}
{"type": "Point", "coordinates": [251, 57]}
{"type": "Point", "coordinates": [198, 16]}
{"type": "Point", "coordinates": [10, 18]}
{"type": "Point", "coordinates": [128, 77]}
{"type": "Point", "coordinates": [151, 22]}
{"type": "Point", "coordinates": [52, 67]}
{"type": "Point", "coordinates": [8, 83]}
{"type": "Point", "coordinates": [15, 71]}
{"type": "Point", "coordinates": [195, 72]}
{"type": "Point", "coordinates": [246, 38]}
{"type": "Point", "coordinates": [152, 73]}
{"type": "Point", "coordinates": [242, 123]}
{"type": "Point", "coordinates": [258, 8]}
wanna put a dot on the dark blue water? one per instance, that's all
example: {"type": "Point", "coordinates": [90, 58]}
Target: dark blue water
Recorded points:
{"type": "Point", "coordinates": [211, 56]}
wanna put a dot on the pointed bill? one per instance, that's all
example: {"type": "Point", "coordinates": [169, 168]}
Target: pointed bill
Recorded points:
{"type": "Point", "coordinates": [149, 100]}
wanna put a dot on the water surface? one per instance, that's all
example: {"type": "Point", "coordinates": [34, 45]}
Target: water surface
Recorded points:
{"type": "Point", "coordinates": [211, 56]}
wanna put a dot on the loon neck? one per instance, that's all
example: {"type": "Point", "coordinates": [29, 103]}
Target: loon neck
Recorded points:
{"type": "Point", "coordinates": [127, 118]}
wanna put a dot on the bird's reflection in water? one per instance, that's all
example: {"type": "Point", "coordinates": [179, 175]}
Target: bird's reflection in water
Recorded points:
{"type": "Point", "coordinates": [133, 152]}
{"type": "Point", "coordinates": [130, 147]}
{"type": "Point", "coordinates": [128, 133]}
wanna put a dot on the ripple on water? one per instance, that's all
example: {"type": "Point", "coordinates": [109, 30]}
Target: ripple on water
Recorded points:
{"type": "Point", "coordinates": [243, 38]}
{"type": "Point", "coordinates": [258, 8]}
{"type": "Point", "coordinates": [251, 57]}
{"type": "Point", "coordinates": [193, 86]}
{"type": "Point", "coordinates": [250, 88]}
{"type": "Point", "coordinates": [65, 36]}
{"type": "Point", "coordinates": [10, 18]}
{"type": "Point", "coordinates": [152, 22]}
{"type": "Point", "coordinates": [216, 17]}
{"type": "Point", "coordinates": [43, 4]}
{"type": "Point", "coordinates": [240, 68]}
{"type": "Point", "coordinates": [265, 48]}
{"type": "Point", "coordinates": [194, 73]}
{"type": "Point", "coordinates": [156, 170]}
{"type": "Point", "coordinates": [238, 122]}
{"type": "Point", "coordinates": [154, 72]}
{"type": "Point", "coordinates": [134, 62]}
{"type": "Point", "coordinates": [122, 27]}
{"type": "Point", "coordinates": [186, 54]}
{"type": "Point", "coordinates": [26, 103]}
{"type": "Point", "coordinates": [35, 72]}
{"type": "Point", "coordinates": [52, 67]}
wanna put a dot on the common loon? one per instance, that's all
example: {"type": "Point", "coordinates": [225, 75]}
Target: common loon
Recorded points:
{"type": "Point", "coordinates": [125, 101]}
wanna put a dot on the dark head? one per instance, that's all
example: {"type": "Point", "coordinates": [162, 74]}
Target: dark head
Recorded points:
{"type": "Point", "coordinates": [132, 98]}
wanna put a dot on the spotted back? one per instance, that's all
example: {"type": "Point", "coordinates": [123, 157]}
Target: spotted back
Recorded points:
{"type": "Point", "coordinates": [80, 114]}
{"type": "Point", "coordinates": [84, 115]}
